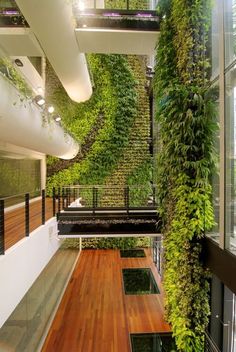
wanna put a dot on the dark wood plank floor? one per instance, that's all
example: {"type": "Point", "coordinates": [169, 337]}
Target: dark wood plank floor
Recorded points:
{"type": "Point", "coordinates": [95, 315]}
{"type": "Point", "coordinates": [15, 221]}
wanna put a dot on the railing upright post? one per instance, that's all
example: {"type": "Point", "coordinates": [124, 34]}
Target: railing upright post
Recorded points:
{"type": "Point", "coordinates": [154, 196]}
{"type": "Point", "coordinates": [43, 206]}
{"type": "Point", "coordinates": [127, 199]}
{"type": "Point", "coordinates": [59, 200]}
{"type": "Point", "coordinates": [54, 201]}
{"type": "Point", "coordinates": [66, 197]}
{"type": "Point", "coordinates": [2, 228]}
{"type": "Point", "coordinates": [63, 198]}
{"type": "Point", "coordinates": [127, 4]}
{"type": "Point", "coordinates": [94, 199]}
{"type": "Point", "coordinates": [27, 214]}
{"type": "Point", "coordinates": [69, 193]}
{"type": "Point", "coordinates": [74, 194]}
{"type": "Point", "coordinates": [126, 194]}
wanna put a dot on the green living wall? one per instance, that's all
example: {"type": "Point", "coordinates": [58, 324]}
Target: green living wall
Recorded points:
{"type": "Point", "coordinates": [186, 116]}
{"type": "Point", "coordinates": [113, 128]}
{"type": "Point", "coordinates": [114, 99]}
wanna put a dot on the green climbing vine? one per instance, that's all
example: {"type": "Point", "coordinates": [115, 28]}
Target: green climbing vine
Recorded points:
{"type": "Point", "coordinates": [186, 116]}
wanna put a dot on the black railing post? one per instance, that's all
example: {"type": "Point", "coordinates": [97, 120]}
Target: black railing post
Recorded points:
{"type": "Point", "coordinates": [74, 194]}
{"type": "Point", "coordinates": [27, 214]}
{"type": "Point", "coordinates": [154, 196]}
{"type": "Point", "coordinates": [94, 199]}
{"type": "Point", "coordinates": [127, 4]}
{"type": "Point", "coordinates": [66, 197]}
{"type": "Point", "coordinates": [59, 200]}
{"type": "Point", "coordinates": [63, 198]}
{"type": "Point", "coordinates": [53, 201]}
{"type": "Point", "coordinates": [126, 195]}
{"type": "Point", "coordinates": [69, 193]}
{"type": "Point", "coordinates": [2, 228]}
{"type": "Point", "coordinates": [43, 206]}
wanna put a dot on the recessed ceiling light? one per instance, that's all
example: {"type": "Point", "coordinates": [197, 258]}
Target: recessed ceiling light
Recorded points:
{"type": "Point", "coordinates": [84, 25]}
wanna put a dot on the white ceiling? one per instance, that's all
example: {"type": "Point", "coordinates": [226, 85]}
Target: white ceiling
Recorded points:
{"type": "Point", "coordinates": [19, 42]}
{"type": "Point", "coordinates": [112, 41]}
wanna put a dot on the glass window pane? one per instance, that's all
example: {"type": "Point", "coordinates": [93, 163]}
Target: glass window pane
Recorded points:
{"type": "Point", "coordinates": [230, 30]}
{"type": "Point", "coordinates": [230, 113]}
{"type": "Point", "coordinates": [214, 233]}
{"type": "Point", "coordinates": [215, 40]}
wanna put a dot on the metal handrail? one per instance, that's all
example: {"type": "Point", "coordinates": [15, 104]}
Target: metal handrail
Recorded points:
{"type": "Point", "coordinates": [17, 195]}
{"type": "Point", "coordinates": [107, 186]}
{"type": "Point", "coordinates": [210, 345]}
{"type": "Point", "coordinates": [26, 208]}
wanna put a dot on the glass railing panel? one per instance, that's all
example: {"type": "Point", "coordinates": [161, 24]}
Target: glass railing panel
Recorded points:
{"type": "Point", "coordinates": [115, 4]}
{"type": "Point", "coordinates": [213, 233]}
{"type": "Point", "coordinates": [10, 15]}
{"type": "Point", "coordinates": [25, 327]}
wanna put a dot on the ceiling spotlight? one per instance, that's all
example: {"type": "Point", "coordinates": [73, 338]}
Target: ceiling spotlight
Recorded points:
{"type": "Point", "coordinates": [81, 6]}
{"type": "Point", "coordinates": [57, 118]}
{"type": "Point", "coordinates": [40, 90]}
{"type": "Point", "coordinates": [50, 109]}
{"type": "Point", "coordinates": [19, 63]}
{"type": "Point", "coordinates": [39, 100]}
{"type": "Point", "coordinates": [84, 25]}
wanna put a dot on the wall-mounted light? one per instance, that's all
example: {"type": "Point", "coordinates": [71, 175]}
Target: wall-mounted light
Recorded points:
{"type": "Point", "coordinates": [51, 109]}
{"type": "Point", "coordinates": [19, 63]}
{"type": "Point", "coordinates": [40, 90]}
{"type": "Point", "coordinates": [57, 118]}
{"type": "Point", "coordinates": [39, 100]}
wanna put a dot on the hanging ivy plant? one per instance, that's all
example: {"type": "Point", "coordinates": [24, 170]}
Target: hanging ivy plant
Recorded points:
{"type": "Point", "coordinates": [186, 115]}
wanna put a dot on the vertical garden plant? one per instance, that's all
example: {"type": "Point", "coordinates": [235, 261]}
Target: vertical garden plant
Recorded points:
{"type": "Point", "coordinates": [186, 116]}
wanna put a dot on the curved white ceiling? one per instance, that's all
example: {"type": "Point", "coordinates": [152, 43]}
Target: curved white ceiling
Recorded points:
{"type": "Point", "coordinates": [53, 24]}
{"type": "Point", "coordinates": [21, 124]}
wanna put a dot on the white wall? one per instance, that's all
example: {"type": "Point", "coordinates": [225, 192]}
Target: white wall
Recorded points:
{"type": "Point", "coordinates": [22, 264]}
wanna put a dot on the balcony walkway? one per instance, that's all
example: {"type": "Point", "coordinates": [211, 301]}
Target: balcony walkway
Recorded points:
{"type": "Point", "coordinates": [95, 315]}
{"type": "Point", "coordinates": [15, 220]}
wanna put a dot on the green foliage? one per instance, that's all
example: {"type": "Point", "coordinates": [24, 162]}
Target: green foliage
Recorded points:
{"type": "Point", "coordinates": [16, 78]}
{"type": "Point", "coordinates": [109, 243]}
{"type": "Point", "coordinates": [186, 116]}
{"type": "Point", "coordinates": [140, 177]}
{"type": "Point", "coordinates": [115, 97]}
{"type": "Point", "coordinates": [122, 4]}
{"type": "Point", "coordinates": [121, 144]}
{"type": "Point", "coordinates": [135, 165]}
{"type": "Point", "coordinates": [77, 118]}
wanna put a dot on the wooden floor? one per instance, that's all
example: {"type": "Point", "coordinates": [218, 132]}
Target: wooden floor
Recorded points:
{"type": "Point", "coordinates": [15, 221]}
{"type": "Point", "coordinates": [95, 315]}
